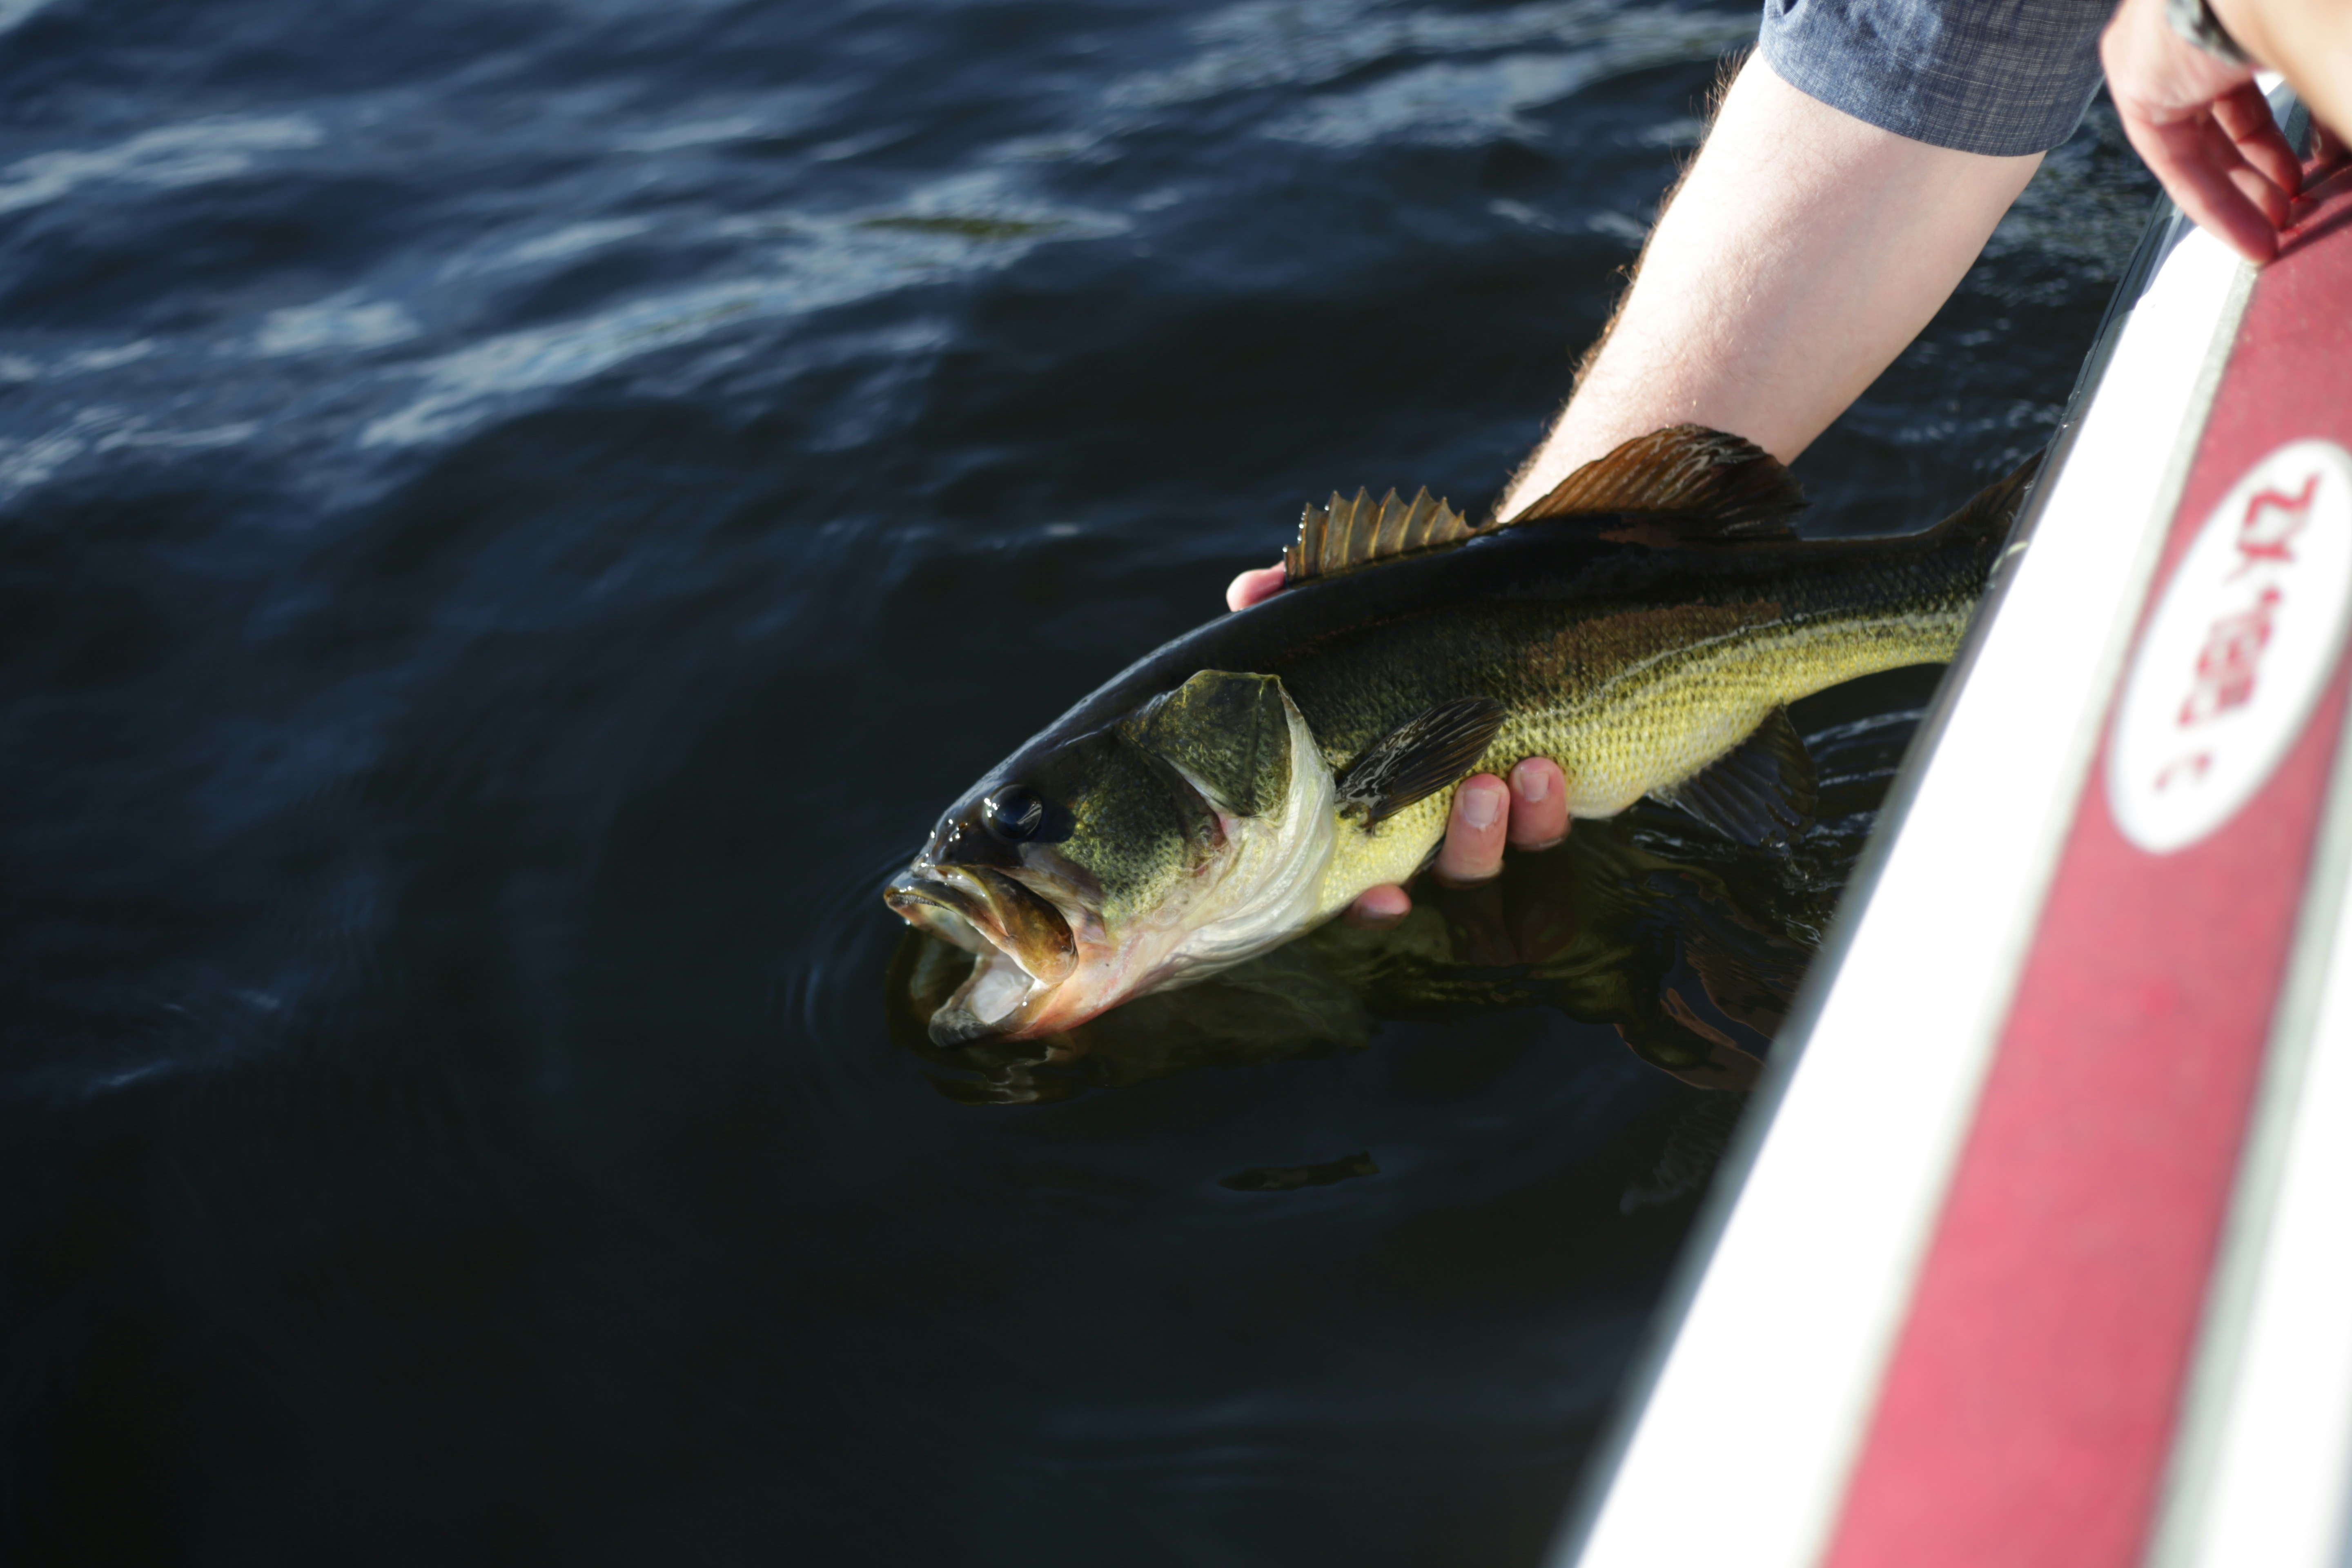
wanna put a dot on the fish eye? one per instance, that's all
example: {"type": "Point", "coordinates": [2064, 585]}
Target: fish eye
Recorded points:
{"type": "Point", "coordinates": [1015, 814]}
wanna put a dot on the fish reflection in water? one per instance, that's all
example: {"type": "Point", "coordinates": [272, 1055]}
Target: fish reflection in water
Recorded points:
{"type": "Point", "coordinates": [1287, 1178]}
{"type": "Point", "coordinates": [1683, 949]}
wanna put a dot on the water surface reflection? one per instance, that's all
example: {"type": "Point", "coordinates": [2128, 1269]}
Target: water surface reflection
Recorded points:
{"type": "Point", "coordinates": [512, 518]}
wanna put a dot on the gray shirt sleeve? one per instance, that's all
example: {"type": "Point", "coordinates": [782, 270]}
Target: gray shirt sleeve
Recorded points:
{"type": "Point", "coordinates": [2003, 77]}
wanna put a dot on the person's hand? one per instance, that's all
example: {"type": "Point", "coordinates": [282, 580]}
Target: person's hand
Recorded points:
{"type": "Point", "coordinates": [1530, 812]}
{"type": "Point", "coordinates": [2203, 128]}
{"type": "Point", "coordinates": [1254, 588]}
{"type": "Point", "coordinates": [2328, 157]}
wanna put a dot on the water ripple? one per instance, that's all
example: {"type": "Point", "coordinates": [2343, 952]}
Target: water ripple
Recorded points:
{"type": "Point", "coordinates": [188, 155]}
{"type": "Point", "coordinates": [945, 230]}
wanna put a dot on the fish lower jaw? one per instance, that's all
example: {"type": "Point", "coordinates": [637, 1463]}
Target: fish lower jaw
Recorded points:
{"type": "Point", "coordinates": [1001, 1000]}
{"type": "Point", "coordinates": [987, 1006]}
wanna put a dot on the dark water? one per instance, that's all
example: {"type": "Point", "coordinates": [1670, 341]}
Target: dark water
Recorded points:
{"type": "Point", "coordinates": [513, 517]}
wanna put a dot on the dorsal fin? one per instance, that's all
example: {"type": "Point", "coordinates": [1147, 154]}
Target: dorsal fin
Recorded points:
{"type": "Point", "coordinates": [1694, 483]}
{"type": "Point", "coordinates": [1992, 510]}
{"type": "Point", "coordinates": [1684, 484]}
{"type": "Point", "coordinates": [1350, 534]}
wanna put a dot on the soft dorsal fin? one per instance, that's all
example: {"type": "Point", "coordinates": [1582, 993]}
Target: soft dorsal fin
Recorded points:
{"type": "Point", "coordinates": [1993, 510]}
{"type": "Point", "coordinates": [1694, 483]}
{"type": "Point", "coordinates": [1350, 534]}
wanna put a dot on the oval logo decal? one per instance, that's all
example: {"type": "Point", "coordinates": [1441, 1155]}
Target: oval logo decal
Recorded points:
{"type": "Point", "coordinates": [2237, 651]}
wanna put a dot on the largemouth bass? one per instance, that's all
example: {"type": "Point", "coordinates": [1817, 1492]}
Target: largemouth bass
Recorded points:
{"type": "Point", "coordinates": [1645, 625]}
{"type": "Point", "coordinates": [1603, 930]}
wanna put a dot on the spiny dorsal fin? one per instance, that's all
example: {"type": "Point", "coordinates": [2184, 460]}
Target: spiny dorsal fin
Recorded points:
{"type": "Point", "coordinates": [1419, 757]}
{"type": "Point", "coordinates": [1347, 534]}
{"type": "Point", "coordinates": [1702, 483]}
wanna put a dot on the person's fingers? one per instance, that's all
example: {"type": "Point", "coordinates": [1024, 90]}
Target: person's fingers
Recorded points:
{"type": "Point", "coordinates": [1538, 804]}
{"type": "Point", "coordinates": [2230, 196]}
{"type": "Point", "coordinates": [2324, 173]}
{"type": "Point", "coordinates": [2177, 153]}
{"type": "Point", "coordinates": [1254, 588]}
{"type": "Point", "coordinates": [2274, 204]}
{"type": "Point", "coordinates": [2222, 152]}
{"type": "Point", "coordinates": [2327, 173]}
{"type": "Point", "coordinates": [2268, 201]}
{"type": "Point", "coordinates": [1541, 929]}
{"type": "Point", "coordinates": [1477, 919]}
{"type": "Point", "coordinates": [1530, 812]}
{"type": "Point", "coordinates": [2198, 123]}
{"type": "Point", "coordinates": [2327, 150]}
{"type": "Point", "coordinates": [2245, 114]}
{"type": "Point", "coordinates": [1473, 850]}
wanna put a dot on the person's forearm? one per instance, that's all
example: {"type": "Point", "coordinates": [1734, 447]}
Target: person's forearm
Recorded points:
{"type": "Point", "coordinates": [1805, 249]}
{"type": "Point", "coordinates": [2308, 41]}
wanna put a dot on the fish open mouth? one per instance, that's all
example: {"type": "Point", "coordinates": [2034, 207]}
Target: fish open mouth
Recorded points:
{"type": "Point", "coordinates": [1024, 942]}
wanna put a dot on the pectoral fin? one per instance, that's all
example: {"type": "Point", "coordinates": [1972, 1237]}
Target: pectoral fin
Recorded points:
{"type": "Point", "coordinates": [1419, 758]}
{"type": "Point", "coordinates": [1761, 791]}
{"type": "Point", "coordinates": [1228, 733]}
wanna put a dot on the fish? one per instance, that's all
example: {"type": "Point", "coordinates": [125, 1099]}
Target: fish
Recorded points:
{"type": "Point", "coordinates": [1605, 930]}
{"type": "Point", "coordinates": [1645, 624]}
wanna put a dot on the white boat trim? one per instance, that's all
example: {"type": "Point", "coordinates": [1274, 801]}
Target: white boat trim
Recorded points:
{"type": "Point", "coordinates": [1748, 1426]}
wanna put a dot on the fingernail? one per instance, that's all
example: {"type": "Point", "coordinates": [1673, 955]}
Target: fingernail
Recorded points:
{"type": "Point", "coordinates": [1480, 809]}
{"type": "Point", "coordinates": [1532, 783]}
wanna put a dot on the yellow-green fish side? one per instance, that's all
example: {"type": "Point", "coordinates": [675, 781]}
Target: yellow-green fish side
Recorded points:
{"type": "Point", "coordinates": [1638, 702]}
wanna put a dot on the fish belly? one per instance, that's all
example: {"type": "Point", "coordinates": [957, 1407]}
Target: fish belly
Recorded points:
{"type": "Point", "coordinates": [1651, 728]}
{"type": "Point", "coordinates": [1394, 852]}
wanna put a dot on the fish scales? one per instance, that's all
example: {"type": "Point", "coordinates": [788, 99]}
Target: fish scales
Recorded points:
{"type": "Point", "coordinates": [1206, 802]}
{"type": "Point", "coordinates": [1610, 660]}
